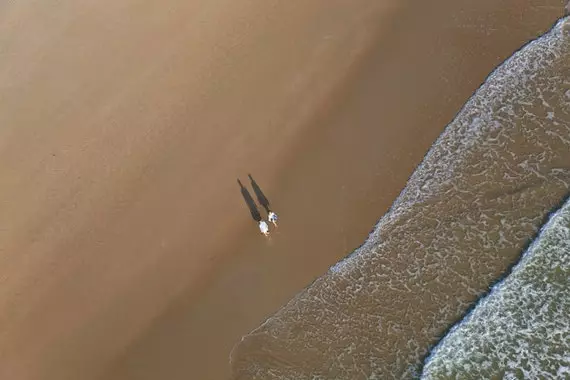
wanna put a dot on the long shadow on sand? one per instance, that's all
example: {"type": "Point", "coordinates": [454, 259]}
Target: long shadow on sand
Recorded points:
{"type": "Point", "coordinates": [250, 203]}
{"type": "Point", "coordinates": [261, 198]}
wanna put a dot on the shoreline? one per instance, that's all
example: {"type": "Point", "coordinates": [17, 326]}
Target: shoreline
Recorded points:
{"type": "Point", "coordinates": [347, 298]}
{"type": "Point", "coordinates": [253, 255]}
{"type": "Point", "coordinates": [129, 155]}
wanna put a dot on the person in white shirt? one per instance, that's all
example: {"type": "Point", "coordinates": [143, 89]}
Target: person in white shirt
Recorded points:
{"type": "Point", "coordinates": [272, 217]}
{"type": "Point", "coordinates": [263, 227]}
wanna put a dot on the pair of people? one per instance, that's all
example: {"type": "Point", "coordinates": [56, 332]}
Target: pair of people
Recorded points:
{"type": "Point", "coordinates": [263, 201]}
{"type": "Point", "coordinates": [264, 227]}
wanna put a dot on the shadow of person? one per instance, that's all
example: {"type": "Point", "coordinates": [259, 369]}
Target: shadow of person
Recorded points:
{"type": "Point", "coordinates": [261, 198]}
{"type": "Point", "coordinates": [250, 203]}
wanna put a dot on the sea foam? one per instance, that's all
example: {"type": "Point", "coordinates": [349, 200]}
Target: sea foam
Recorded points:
{"type": "Point", "coordinates": [476, 201]}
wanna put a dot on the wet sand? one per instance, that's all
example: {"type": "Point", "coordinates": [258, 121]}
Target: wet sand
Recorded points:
{"type": "Point", "coordinates": [126, 251]}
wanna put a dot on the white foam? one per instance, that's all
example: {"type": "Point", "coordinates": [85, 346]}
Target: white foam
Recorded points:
{"type": "Point", "coordinates": [466, 211]}
{"type": "Point", "coordinates": [523, 326]}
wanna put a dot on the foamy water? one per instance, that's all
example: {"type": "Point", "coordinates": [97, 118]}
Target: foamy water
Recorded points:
{"type": "Point", "coordinates": [522, 329]}
{"type": "Point", "coordinates": [478, 198]}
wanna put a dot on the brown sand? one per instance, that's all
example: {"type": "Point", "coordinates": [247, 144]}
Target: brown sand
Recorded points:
{"type": "Point", "coordinates": [126, 251]}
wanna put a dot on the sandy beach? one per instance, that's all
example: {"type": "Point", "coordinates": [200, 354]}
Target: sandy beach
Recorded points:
{"type": "Point", "coordinates": [126, 250]}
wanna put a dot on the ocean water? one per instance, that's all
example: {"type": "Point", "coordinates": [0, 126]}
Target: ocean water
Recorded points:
{"type": "Point", "coordinates": [522, 329]}
{"type": "Point", "coordinates": [475, 203]}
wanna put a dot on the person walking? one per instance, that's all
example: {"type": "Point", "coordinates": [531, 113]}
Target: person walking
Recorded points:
{"type": "Point", "coordinates": [272, 217]}
{"type": "Point", "coordinates": [263, 227]}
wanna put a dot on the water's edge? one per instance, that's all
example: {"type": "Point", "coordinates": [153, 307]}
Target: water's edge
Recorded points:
{"type": "Point", "coordinates": [477, 200]}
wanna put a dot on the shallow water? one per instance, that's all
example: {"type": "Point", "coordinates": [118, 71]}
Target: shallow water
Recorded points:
{"type": "Point", "coordinates": [522, 329]}
{"type": "Point", "coordinates": [478, 199]}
